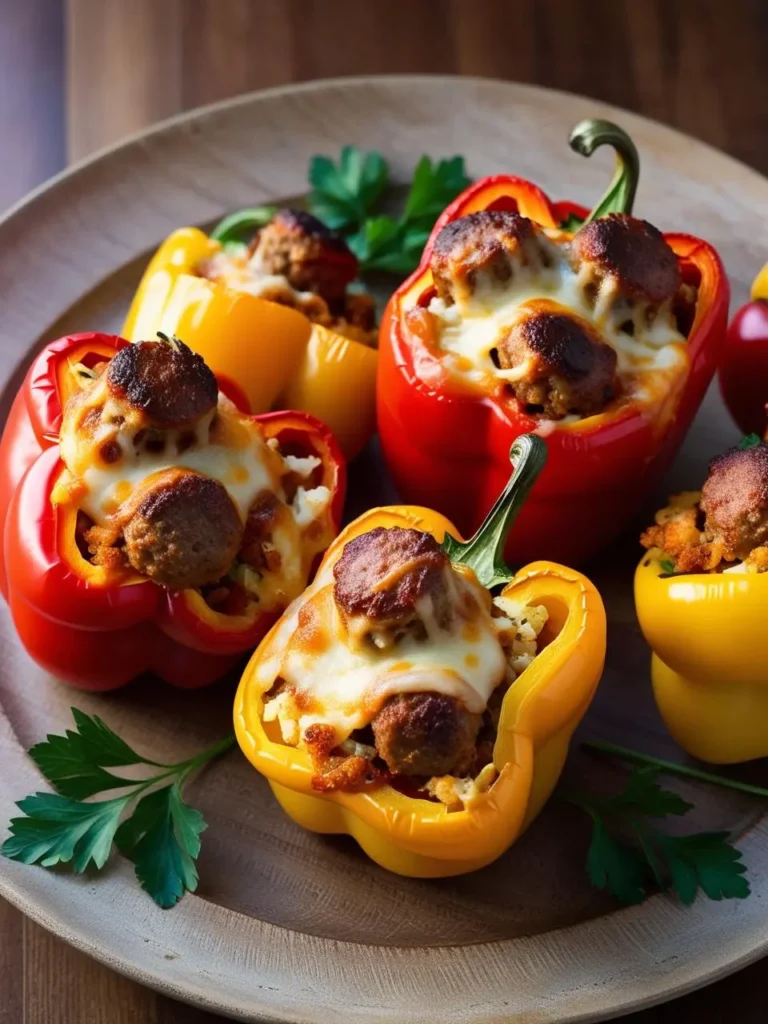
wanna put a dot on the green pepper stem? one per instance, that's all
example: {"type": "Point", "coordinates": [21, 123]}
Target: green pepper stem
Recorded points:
{"type": "Point", "coordinates": [484, 552]}
{"type": "Point", "coordinates": [636, 757]}
{"type": "Point", "coordinates": [237, 225]}
{"type": "Point", "coordinates": [588, 136]}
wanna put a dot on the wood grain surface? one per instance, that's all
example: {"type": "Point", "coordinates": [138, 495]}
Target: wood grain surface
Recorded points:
{"type": "Point", "coordinates": [695, 64]}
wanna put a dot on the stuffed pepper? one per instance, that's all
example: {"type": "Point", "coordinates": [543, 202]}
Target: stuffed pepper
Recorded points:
{"type": "Point", "coordinates": [400, 701]}
{"type": "Point", "coordinates": [701, 594]}
{"type": "Point", "coordinates": [270, 306]}
{"type": "Point", "coordinates": [149, 523]}
{"type": "Point", "coordinates": [599, 334]}
{"type": "Point", "coordinates": [743, 370]}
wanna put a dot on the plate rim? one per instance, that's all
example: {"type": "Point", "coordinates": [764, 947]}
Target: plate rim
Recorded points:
{"type": "Point", "coordinates": [52, 917]}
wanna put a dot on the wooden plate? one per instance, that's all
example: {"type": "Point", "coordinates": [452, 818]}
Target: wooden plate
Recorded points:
{"type": "Point", "coordinates": [294, 927]}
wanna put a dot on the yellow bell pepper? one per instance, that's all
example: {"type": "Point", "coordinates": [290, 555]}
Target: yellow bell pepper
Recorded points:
{"type": "Point", "coordinates": [276, 356]}
{"type": "Point", "coordinates": [759, 289]}
{"type": "Point", "coordinates": [419, 837]}
{"type": "Point", "coordinates": [710, 660]}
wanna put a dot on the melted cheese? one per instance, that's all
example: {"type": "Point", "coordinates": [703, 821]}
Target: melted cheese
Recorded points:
{"type": "Point", "coordinates": [231, 450]}
{"type": "Point", "coordinates": [336, 682]}
{"type": "Point", "coordinates": [469, 331]}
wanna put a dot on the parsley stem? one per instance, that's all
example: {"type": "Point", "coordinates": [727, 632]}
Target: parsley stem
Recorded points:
{"type": "Point", "coordinates": [635, 756]}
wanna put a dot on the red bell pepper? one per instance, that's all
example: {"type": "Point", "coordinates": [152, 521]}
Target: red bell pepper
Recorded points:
{"type": "Point", "coordinates": [448, 449]}
{"type": "Point", "coordinates": [744, 367]}
{"type": "Point", "coordinates": [79, 621]}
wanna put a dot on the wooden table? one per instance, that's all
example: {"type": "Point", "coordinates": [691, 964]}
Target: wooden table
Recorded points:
{"type": "Point", "coordinates": [76, 75]}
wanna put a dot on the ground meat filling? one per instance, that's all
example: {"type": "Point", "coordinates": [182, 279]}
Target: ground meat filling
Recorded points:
{"type": "Point", "coordinates": [725, 529]}
{"type": "Point", "coordinates": [400, 603]}
{"type": "Point", "coordinates": [297, 261]}
{"type": "Point", "coordinates": [488, 245]}
{"type": "Point", "coordinates": [183, 530]}
{"type": "Point", "coordinates": [425, 734]}
{"type": "Point", "coordinates": [569, 368]}
{"type": "Point", "coordinates": [309, 255]}
{"type": "Point", "coordinates": [165, 380]}
{"type": "Point", "coordinates": [631, 251]}
{"type": "Point", "coordinates": [382, 576]}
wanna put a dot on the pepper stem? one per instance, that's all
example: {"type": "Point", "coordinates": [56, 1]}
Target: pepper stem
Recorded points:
{"type": "Point", "coordinates": [588, 136]}
{"type": "Point", "coordinates": [484, 552]}
{"type": "Point", "coordinates": [237, 225]}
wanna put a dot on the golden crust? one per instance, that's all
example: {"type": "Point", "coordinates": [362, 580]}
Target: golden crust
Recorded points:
{"type": "Point", "coordinates": [166, 381]}
{"type": "Point", "coordinates": [568, 367]}
{"type": "Point", "coordinates": [734, 499]}
{"type": "Point", "coordinates": [633, 252]}
{"type": "Point", "coordinates": [490, 243]}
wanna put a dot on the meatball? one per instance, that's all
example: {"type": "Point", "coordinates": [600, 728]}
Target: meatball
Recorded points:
{"type": "Point", "coordinates": [382, 574]}
{"type": "Point", "coordinates": [734, 500]}
{"type": "Point", "coordinates": [182, 530]}
{"type": "Point", "coordinates": [165, 380]}
{"type": "Point", "coordinates": [302, 249]}
{"type": "Point", "coordinates": [568, 368]}
{"type": "Point", "coordinates": [490, 245]}
{"type": "Point", "coordinates": [633, 252]}
{"type": "Point", "coordinates": [425, 734]}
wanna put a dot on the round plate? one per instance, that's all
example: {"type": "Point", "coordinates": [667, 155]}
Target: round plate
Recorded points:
{"type": "Point", "coordinates": [289, 926]}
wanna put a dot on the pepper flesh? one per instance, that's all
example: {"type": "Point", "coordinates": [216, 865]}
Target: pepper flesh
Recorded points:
{"type": "Point", "coordinates": [446, 447]}
{"type": "Point", "coordinates": [97, 629]}
{"type": "Point", "coordinates": [707, 633]}
{"type": "Point", "coordinates": [277, 356]}
{"type": "Point", "coordinates": [421, 838]}
{"type": "Point", "coordinates": [744, 366]}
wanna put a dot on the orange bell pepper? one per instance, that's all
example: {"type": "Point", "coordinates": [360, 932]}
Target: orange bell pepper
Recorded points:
{"type": "Point", "coordinates": [274, 353]}
{"type": "Point", "coordinates": [419, 837]}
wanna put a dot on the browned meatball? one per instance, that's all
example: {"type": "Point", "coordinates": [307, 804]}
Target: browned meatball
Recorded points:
{"type": "Point", "coordinates": [166, 380]}
{"type": "Point", "coordinates": [569, 369]}
{"type": "Point", "coordinates": [311, 256]}
{"type": "Point", "coordinates": [382, 574]}
{"type": "Point", "coordinates": [491, 244]}
{"type": "Point", "coordinates": [632, 251]}
{"type": "Point", "coordinates": [734, 499]}
{"type": "Point", "coordinates": [182, 530]}
{"type": "Point", "coordinates": [425, 734]}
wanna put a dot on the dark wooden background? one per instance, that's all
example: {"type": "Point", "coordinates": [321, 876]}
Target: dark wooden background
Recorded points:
{"type": "Point", "coordinates": [76, 75]}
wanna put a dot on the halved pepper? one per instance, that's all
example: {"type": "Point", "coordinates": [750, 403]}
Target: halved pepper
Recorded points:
{"type": "Point", "coordinates": [541, 709]}
{"type": "Point", "coordinates": [278, 357]}
{"type": "Point", "coordinates": [447, 447]}
{"type": "Point", "coordinates": [710, 658]}
{"type": "Point", "coordinates": [95, 628]}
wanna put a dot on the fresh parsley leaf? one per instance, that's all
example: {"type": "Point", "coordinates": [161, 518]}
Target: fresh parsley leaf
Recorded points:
{"type": "Point", "coordinates": [702, 862]}
{"type": "Point", "coordinates": [667, 566]}
{"type": "Point", "coordinates": [57, 830]}
{"type": "Point", "coordinates": [749, 441]}
{"type": "Point", "coordinates": [159, 832]}
{"type": "Point", "coordinates": [386, 244]}
{"type": "Point", "coordinates": [343, 194]}
{"type": "Point", "coordinates": [643, 793]}
{"type": "Point", "coordinates": [705, 861]}
{"type": "Point", "coordinates": [614, 866]}
{"type": "Point", "coordinates": [433, 187]}
{"type": "Point", "coordinates": [162, 838]}
{"type": "Point", "coordinates": [74, 763]}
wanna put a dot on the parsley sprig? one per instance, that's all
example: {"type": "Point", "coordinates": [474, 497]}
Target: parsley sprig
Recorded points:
{"type": "Point", "coordinates": [149, 821]}
{"type": "Point", "coordinates": [345, 195]}
{"type": "Point", "coordinates": [629, 853]}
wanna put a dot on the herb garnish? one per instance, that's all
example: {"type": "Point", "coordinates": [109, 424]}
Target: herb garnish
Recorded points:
{"type": "Point", "coordinates": [160, 835]}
